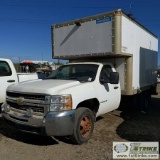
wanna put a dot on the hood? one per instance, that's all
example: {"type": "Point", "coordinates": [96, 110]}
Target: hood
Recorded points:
{"type": "Point", "coordinates": [49, 86]}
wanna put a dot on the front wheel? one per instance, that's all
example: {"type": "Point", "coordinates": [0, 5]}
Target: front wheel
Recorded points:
{"type": "Point", "coordinates": [84, 124]}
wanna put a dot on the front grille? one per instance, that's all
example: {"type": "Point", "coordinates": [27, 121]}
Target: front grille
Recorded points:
{"type": "Point", "coordinates": [25, 107]}
{"type": "Point", "coordinates": [26, 96]}
{"type": "Point", "coordinates": [23, 101]}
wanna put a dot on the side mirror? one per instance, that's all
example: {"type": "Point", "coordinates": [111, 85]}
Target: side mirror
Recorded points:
{"type": "Point", "coordinates": [114, 77]}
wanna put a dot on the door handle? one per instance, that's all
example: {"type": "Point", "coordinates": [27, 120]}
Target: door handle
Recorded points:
{"type": "Point", "coordinates": [10, 81]}
{"type": "Point", "coordinates": [116, 87]}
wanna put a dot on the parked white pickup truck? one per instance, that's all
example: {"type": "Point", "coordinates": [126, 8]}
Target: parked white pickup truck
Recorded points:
{"type": "Point", "coordinates": [110, 56]}
{"type": "Point", "coordinates": [8, 76]}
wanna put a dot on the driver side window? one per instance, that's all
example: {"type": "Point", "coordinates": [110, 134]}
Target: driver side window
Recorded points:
{"type": "Point", "coordinates": [105, 73]}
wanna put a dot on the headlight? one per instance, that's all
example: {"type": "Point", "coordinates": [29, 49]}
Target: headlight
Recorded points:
{"type": "Point", "coordinates": [61, 102]}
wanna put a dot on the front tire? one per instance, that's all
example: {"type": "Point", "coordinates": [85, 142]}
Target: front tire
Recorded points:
{"type": "Point", "coordinates": [84, 125]}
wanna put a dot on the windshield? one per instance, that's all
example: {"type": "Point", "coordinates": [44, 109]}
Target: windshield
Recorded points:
{"type": "Point", "coordinates": [80, 72]}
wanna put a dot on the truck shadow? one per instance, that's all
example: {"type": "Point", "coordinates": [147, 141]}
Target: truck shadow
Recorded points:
{"type": "Point", "coordinates": [8, 131]}
{"type": "Point", "coordinates": [138, 126]}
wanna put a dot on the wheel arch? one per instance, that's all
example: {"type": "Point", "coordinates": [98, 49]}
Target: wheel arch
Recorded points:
{"type": "Point", "coordinates": [92, 104]}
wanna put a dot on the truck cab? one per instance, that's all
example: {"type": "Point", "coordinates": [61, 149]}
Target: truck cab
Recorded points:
{"type": "Point", "coordinates": [96, 79]}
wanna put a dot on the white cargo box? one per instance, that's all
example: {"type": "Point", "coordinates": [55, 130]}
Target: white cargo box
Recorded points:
{"type": "Point", "coordinates": [110, 35]}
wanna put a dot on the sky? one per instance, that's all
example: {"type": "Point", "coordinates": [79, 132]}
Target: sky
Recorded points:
{"type": "Point", "coordinates": [25, 25]}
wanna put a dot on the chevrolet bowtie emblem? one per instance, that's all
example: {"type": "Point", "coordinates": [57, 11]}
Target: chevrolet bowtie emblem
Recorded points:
{"type": "Point", "coordinates": [20, 101]}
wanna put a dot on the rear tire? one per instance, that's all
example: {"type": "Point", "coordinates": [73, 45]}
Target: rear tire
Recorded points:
{"type": "Point", "coordinates": [84, 125]}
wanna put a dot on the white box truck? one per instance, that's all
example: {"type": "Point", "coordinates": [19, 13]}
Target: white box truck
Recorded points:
{"type": "Point", "coordinates": [109, 55]}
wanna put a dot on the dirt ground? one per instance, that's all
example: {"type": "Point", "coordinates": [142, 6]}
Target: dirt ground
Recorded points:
{"type": "Point", "coordinates": [119, 125]}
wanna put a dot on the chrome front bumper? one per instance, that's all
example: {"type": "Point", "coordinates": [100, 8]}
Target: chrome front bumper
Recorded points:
{"type": "Point", "coordinates": [52, 124]}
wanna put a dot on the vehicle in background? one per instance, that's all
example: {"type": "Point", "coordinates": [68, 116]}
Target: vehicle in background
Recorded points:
{"type": "Point", "coordinates": [8, 76]}
{"type": "Point", "coordinates": [42, 74]}
{"type": "Point", "coordinates": [110, 55]}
